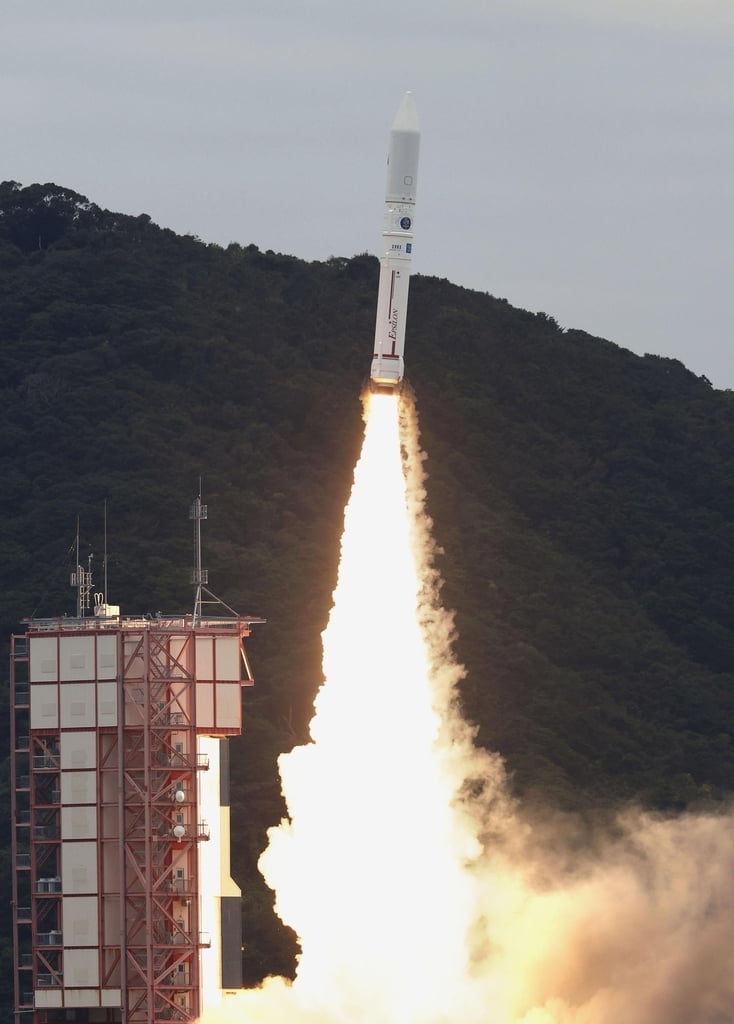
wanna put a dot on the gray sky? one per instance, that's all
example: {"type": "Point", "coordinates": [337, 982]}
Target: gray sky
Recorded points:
{"type": "Point", "coordinates": [577, 155]}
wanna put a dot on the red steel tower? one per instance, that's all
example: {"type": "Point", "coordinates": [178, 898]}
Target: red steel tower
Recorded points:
{"type": "Point", "coordinates": [123, 905]}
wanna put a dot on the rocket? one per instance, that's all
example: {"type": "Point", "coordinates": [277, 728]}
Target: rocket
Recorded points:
{"type": "Point", "coordinates": [388, 367]}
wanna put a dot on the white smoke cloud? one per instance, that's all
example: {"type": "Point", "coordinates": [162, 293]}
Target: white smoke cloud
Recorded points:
{"type": "Point", "coordinates": [638, 928]}
{"type": "Point", "coordinates": [633, 922]}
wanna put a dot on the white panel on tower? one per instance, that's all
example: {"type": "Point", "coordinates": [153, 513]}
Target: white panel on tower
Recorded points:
{"type": "Point", "coordinates": [77, 657]}
{"type": "Point", "coordinates": [45, 998]}
{"type": "Point", "coordinates": [78, 749]}
{"type": "Point", "coordinates": [78, 822]}
{"type": "Point", "coordinates": [79, 868]}
{"type": "Point", "coordinates": [80, 996]}
{"type": "Point", "coordinates": [204, 658]}
{"type": "Point", "coordinates": [81, 968]}
{"type": "Point", "coordinates": [78, 705]}
{"type": "Point", "coordinates": [205, 705]}
{"type": "Point", "coordinates": [227, 652]}
{"type": "Point", "coordinates": [107, 657]}
{"type": "Point", "coordinates": [229, 706]}
{"type": "Point", "coordinates": [78, 787]}
{"type": "Point", "coordinates": [44, 706]}
{"type": "Point", "coordinates": [43, 659]}
{"type": "Point", "coordinates": [80, 922]}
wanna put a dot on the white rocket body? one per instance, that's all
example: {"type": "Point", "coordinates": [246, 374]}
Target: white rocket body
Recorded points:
{"type": "Point", "coordinates": [388, 366]}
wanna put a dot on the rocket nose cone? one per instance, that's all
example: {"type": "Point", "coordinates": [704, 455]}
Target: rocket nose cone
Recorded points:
{"type": "Point", "coordinates": [406, 119]}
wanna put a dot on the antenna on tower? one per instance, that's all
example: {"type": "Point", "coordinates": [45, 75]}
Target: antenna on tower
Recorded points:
{"type": "Point", "coordinates": [101, 609]}
{"type": "Point", "coordinates": [199, 576]}
{"type": "Point", "coordinates": [105, 551]}
{"type": "Point", "coordinates": [82, 580]}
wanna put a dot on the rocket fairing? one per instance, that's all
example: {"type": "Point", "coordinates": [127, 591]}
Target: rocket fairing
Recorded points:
{"type": "Point", "coordinates": [388, 367]}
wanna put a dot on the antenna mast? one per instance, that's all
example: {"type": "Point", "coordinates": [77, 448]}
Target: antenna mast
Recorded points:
{"type": "Point", "coordinates": [82, 580]}
{"type": "Point", "coordinates": [199, 576]}
{"type": "Point", "coordinates": [105, 551]}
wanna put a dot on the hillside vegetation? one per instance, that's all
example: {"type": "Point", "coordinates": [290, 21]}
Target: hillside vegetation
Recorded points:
{"type": "Point", "coordinates": [583, 498]}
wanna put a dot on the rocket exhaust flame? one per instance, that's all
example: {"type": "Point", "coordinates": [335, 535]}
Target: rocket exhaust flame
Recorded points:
{"type": "Point", "coordinates": [356, 870]}
{"type": "Point", "coordinates": [419, 893]}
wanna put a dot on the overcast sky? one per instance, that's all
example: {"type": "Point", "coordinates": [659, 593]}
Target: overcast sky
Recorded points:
{"type": "Point", "coordinates": [577, 155]}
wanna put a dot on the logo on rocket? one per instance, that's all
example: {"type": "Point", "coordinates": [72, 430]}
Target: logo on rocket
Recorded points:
{"type": "Point", "coordinates": [393, 332]}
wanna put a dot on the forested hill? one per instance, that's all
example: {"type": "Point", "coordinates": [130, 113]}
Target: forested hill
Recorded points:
{"type": "Point", "coordinates": [583, 496]}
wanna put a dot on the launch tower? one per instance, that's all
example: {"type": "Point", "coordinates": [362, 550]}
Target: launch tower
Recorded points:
{"type": "Point", "coordinates": [123, 905]}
